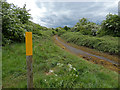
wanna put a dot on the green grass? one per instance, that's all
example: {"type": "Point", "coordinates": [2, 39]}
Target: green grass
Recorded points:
{"type": "Point", "coordinates": [69, 71]}
{"type": "Point", "coordinates": [105, 44]}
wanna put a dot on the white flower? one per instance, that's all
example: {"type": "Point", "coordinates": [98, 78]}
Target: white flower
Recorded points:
{"type": "Point", "coordinates": [56, 75]}
{"type": "Point", "coordinates": [69, 69]}
{"type": "Point", "coordinates": [45, 80]}
{"type": "Point", "coordinates": [70, 65]}
{"type": "Point", "coordinates": [74, 69]}
{"type": "Point", "coordinates": [61, 64]}
{"type": "Point", "coordinates": [50, 71]}
{"type": "Point", "coordinates": [58, 63]}
{"type": "Point", "coordinates": [76, 75]}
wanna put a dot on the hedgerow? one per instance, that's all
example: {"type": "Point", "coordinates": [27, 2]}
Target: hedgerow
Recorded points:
{"type": "Point", "coordinates": [15, 22]}
{"type": "Point", "coordinates": [105, 44]}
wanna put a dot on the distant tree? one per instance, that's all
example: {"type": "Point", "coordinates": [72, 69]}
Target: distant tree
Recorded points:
{"type": "Point", "coordinates": [83, 21]}
{"type": "Point", "coordinates": [66, 28]}
{"type": "Point", "coordinates": [86, 27]}
{"type": "Point", "coordinates": [56, 29]}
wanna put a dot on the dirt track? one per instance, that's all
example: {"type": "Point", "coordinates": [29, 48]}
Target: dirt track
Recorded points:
{"type": "Point", "coordinates": [108, 61]}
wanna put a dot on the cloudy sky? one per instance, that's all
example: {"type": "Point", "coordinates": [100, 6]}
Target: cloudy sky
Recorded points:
{"type": "Point", "coordinates": [68, 12]}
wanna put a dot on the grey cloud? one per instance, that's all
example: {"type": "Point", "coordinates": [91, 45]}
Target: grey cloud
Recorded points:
{"type": "Point", "coordinates": [61, 13]}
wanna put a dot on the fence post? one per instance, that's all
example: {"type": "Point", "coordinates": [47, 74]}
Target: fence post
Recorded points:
{"type": "Point", "coordinates": [28, 39]}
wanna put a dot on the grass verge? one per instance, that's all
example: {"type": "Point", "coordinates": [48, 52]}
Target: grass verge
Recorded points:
{"type": "Point", "coordinates": [52, 67]}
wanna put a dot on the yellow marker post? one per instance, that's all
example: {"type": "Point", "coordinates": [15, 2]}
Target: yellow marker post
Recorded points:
{"type": "Point", "coordinates": [28, 43]}
{"type": "Point", "coordinates": [28, 40]}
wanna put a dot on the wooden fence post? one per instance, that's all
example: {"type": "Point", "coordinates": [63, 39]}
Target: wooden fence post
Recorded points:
{"type": "Point", "coordinates": [28, 40]}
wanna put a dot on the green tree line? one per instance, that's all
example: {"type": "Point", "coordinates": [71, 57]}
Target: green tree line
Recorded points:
{"type": "Point", "coordinates": [110, 26]}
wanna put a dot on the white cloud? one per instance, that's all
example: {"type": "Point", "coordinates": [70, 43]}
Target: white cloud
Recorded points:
{"type": "Point", "coordinates": [35, 11]}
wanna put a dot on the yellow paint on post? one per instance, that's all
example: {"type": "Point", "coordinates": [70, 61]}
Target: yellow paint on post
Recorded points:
{"type": "Point", "coordinates": [28, 39]}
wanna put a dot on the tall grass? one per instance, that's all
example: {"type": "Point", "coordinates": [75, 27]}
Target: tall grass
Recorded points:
{"type": "Point", "coordinates": [53, 67]}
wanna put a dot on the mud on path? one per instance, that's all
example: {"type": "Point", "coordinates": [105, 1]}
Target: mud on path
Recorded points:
{"type": "Point", "coordinates": [91, 55]}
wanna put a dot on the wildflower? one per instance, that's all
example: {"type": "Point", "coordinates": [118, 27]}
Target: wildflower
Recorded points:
{"type": "Point", "coordinates": [69, 69]}
{"type": "Point", "coordinates": [50, 71]}
{"type": "Point", "coordinates": [74, 69]}
{"type": "Point", "coordinates": [56, 75]}
{"type": "Point", "coordinates": [58, 63]}
{"type": "Point", "coordinates": [45, 80]}
{"type": "Point", "coordinates": [70, 65]}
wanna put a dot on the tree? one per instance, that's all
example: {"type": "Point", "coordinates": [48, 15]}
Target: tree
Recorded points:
{"type": "Point", "coordinates": [66, 28]}
{"type": "Point", "coordinates": [83, 21]}
{"type": "Point", "coordinates": [14, 20]}
{"type": "Point", "coordinates": [22, 14]}
{"type": "Point", "coordinates": [86, 27]}
{"type": "Point", "coordinates": [111, 26]}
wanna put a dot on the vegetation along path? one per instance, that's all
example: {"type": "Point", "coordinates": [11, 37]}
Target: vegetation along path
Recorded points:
{"type": "Point", "coordinates": [110, 63]}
